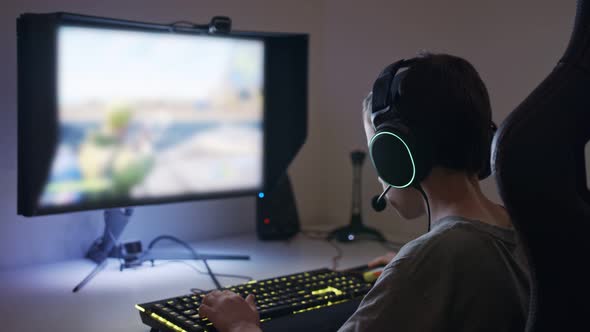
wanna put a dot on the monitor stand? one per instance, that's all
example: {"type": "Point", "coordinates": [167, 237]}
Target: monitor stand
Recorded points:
{"type": "Point", "coordinates": [108, 246]}
{"type": "Point", "coordinates": [115, 221]}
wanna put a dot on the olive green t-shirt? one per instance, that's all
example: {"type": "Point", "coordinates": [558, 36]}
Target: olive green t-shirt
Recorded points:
{"type": "Point", "coordinates": [463, 275]}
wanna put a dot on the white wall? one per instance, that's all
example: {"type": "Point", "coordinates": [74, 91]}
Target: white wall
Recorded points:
{"type": "Point", "coordinates": [513, 44]}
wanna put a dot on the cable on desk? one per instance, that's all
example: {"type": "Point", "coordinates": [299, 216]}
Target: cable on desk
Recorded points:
{"type": "Point", "coordinates": [236, 276]}
{"type": "Point", "coordinates": [315, 234]}
{"type": "Point", "coordinates": [199, 290]}
{"type": "Point", "coordinates": [193, 252]}
{"type": "Point", "coordinates": [322, 236]}
{"type": "Point", "coordinates": [338, 256]}
{"type": "Point", "coordinates": [223, 275]}
{"type": "Point", "coordinates": [213, 277]}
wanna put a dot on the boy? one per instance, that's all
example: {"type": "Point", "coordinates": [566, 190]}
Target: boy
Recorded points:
{"type": "Point", "coordinates": [464, 274]}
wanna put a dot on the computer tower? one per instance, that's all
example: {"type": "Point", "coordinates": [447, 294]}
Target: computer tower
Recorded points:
{"type": "Point", "coordinates": [276, 212]}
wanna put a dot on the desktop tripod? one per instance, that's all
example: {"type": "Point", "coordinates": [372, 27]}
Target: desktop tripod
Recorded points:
{"type": "Point", "coordinates": [356, 229]}
{"type": "Point", "coordinates": [132, 254]}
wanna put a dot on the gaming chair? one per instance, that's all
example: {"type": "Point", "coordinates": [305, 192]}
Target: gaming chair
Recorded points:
{"type": "Point", "coordinates": [539, 165]}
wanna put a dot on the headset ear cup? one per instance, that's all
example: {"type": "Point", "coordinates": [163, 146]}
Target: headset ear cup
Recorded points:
{"type": "Point", "coordinates": [486, 169]}
{"type": "Point", "coordinates": [395, 156]}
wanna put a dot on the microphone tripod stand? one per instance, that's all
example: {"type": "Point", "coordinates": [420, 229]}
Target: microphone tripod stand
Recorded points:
{"type": "Point", "coordinates": [356, 229]}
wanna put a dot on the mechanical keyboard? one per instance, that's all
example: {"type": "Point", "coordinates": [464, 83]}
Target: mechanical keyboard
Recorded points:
{"type": "Point", "coordinates": [275, 297]}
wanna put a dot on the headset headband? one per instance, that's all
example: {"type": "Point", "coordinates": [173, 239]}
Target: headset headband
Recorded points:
{"type": "Point", "coordinates": [383, 89]}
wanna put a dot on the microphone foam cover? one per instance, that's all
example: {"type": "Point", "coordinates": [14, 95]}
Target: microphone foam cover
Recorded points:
{"type": "Point", "coordinates": [378, 204]}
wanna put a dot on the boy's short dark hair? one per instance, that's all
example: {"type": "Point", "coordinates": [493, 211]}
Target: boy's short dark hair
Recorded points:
{"type": "Point", "coordinates": [445, 102]}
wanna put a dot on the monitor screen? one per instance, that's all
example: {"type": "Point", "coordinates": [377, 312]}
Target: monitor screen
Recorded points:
{"type": "Point", "coordinates": [118, 113]}
{"type": "Point", "coordinates": [150, 115]}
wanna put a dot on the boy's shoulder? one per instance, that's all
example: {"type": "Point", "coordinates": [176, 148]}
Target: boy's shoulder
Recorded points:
{"type": "Point", "coordinates": [454, 238]}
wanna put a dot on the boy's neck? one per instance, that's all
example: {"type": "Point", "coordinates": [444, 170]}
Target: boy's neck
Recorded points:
{"type": "Point", "coordinates": [453, 193]}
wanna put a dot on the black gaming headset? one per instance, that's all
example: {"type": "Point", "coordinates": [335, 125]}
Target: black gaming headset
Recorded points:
{"type": "Point", "coordinates": [400, 157]}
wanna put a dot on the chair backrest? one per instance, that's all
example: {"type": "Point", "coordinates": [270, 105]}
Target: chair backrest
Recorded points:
{"type": "Point", "coordinates": [540, 170]}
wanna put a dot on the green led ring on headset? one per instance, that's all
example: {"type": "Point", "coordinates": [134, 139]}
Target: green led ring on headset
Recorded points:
{"type": "Point", "coordinates": [393, 159]}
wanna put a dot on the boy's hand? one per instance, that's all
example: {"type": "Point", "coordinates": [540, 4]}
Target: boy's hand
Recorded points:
{"type": "Point", "coordinates": [382, 260]}
{"type": "Point", "coordinates": [229, 312]}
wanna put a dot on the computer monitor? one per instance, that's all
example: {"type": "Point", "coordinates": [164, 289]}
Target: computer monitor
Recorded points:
{"type": "Point", "coordinates": [115, 113]}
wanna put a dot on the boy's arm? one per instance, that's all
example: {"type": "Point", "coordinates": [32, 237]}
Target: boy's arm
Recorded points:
{"type": "Point", "coordinates": [403, 299]}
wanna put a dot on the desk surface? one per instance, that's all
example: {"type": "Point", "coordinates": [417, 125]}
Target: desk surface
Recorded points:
{"type": "Point", "coordinates": [40, 298]}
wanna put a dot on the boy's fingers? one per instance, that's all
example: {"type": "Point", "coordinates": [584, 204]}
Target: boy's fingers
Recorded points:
{"type": "Point", "coordinates": [251, 302]}
{"type": "Point", "coordinates": [382, 260]}
{"type": "Point", "coordinates": [204, 310]}
{"type": "Point", "coordinates": [211, 298]}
